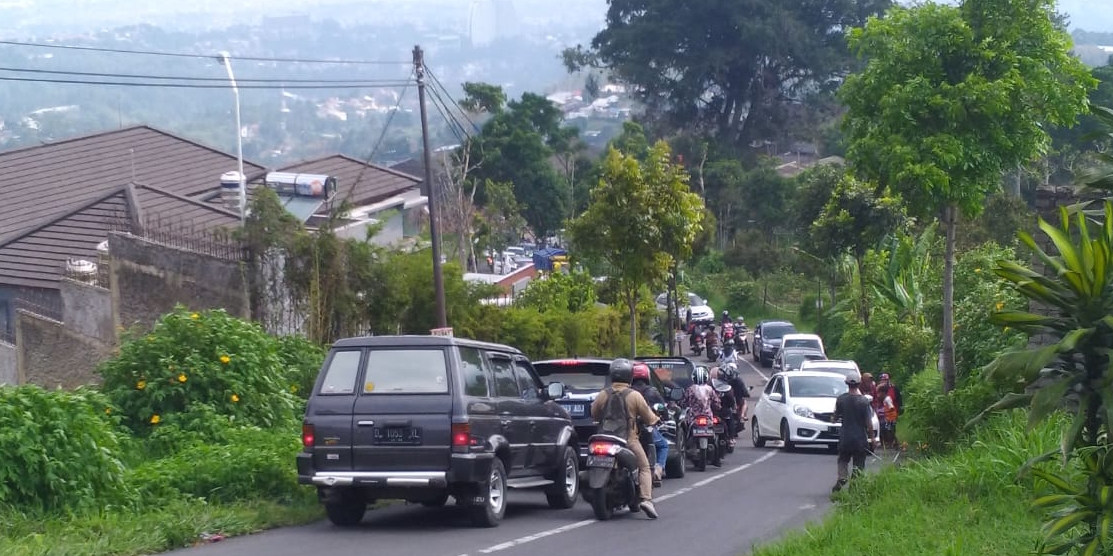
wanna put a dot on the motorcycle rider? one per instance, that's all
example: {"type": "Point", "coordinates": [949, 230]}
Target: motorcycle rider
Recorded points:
{"type": "Point", "coordinates": [700, 398]}
{"type": "Point", "coordinates": [622, 374]}
{"type": "Point", "coordinates": [726, 319]}
{"type": "Point", "coordinates": [728, 356]}
{"type": "Point", "coordinates": [642, 384]}
{"type": "Point", "coordinates": [729, 374]}
{"type": "Point", "coordinates": [857, 435]}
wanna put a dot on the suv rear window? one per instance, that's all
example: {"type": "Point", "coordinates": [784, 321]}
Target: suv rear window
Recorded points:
{"type": "Point", "coordinates": [578, 376]}
{"type": "Point", "coordinates": [406, 371]}
{"type": "Point", "coordinates": [678, 371]}
{"type": "Point", "coordinates": [775, 331]}
{"type": "Point", "coordinates": [340, 375]}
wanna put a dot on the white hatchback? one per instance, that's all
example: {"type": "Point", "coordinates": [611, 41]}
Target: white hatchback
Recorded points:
{"type": "Point", "coordinates": [799, 408]}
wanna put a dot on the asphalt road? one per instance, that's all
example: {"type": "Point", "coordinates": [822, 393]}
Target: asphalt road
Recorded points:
{"type": "Point", "coordinates": [755, 496]}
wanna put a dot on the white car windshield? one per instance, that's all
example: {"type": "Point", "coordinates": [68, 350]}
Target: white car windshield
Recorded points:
{"type": "Point", "coordinates": [816, 386]}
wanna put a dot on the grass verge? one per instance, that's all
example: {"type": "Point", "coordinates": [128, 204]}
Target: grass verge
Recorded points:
{"type": "Point", "coordinates": [119, 532]}
{"type": "Point", "coordinates": [968, 502]}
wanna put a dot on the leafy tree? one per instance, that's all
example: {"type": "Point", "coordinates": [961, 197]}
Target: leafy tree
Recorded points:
{"type": "Point", "coordinates": [950, 98]}
{"type": "Point", "coordinates": [730, 67]}
{"type": "Point", "coordinates": [642, 217]}
{"type": "Point", "coordinates": [1074, 368]}
{"type": "Point", "coordinates": [853, 221]}
{"type": "Point", "coordinates": [502, 222]}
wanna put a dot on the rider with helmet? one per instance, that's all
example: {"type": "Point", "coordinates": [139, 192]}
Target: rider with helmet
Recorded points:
{"type": "Point", "coordinates": [642, 384]}
{"type": "Point", "coordinates": [622, 374]}
{"type": "Point", "coordinates": [729, 374]}
{"type": "Point", "coordinates": [726, 318]}
{"type": "Point", "coordinates": [700, 398]}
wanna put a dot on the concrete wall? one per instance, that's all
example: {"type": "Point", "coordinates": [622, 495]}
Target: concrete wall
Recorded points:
{"type": "Point", "coordinates": [50, 355]}
{"type": "Point", "coordinates": [87, 310]}
{"type": "Point", "coordinates": [148, 279]}
{"type": "Point", "coordinates": [9, 364]}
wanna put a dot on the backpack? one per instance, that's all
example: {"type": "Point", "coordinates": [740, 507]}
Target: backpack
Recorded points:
{"type": "Point", "coordinates": [616, 418]}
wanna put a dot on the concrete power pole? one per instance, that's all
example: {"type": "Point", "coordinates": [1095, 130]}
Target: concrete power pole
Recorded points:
{"type": "Point", "coordinates": [430, 191]}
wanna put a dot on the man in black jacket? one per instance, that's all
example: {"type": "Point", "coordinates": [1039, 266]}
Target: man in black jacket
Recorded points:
{"type": "Point", "coordinates": [643, 386]}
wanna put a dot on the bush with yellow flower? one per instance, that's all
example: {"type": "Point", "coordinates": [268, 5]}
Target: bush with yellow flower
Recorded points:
{"type": "Point", "coordinates": [195, 365]}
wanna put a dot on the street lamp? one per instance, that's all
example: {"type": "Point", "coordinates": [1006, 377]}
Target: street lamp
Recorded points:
{"type": "Point", "coordinates": [227, 63]}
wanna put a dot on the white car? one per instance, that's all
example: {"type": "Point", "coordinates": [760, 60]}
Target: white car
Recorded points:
{"type": "Point", "coordinates": [800, 340]}
{"type": "Point", "coordinates": [799, 408]}
{"type": "Point", "coordinates": [700, 310]}
{"type": "Point", "coordinates": [831, 366]}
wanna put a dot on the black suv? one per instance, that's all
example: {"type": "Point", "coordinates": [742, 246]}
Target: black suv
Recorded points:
{"type": "Point", "coordinates": [422, 418]}
{"type": "Point", "coordinates": [768, 335]}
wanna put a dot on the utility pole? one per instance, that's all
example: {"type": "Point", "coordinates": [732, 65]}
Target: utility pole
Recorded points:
{"type": "Point", "coordinates": [430, 191]}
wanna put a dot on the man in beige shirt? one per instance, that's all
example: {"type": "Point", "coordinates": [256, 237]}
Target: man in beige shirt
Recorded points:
{"type": "Point", "coordinates": [622, 373]}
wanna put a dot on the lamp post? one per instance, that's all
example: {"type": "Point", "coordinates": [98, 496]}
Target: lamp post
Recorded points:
{"type": "Point", "coordinates": [227, 63]}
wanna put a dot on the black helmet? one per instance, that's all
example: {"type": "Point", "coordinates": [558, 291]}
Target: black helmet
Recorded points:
{"type": "Point", "coordinates": [622, 370]}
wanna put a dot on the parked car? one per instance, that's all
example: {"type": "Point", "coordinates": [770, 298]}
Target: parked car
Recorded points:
{"type": "Point", "coordinates": [584, 378]}
{"type": "Point", "coordinates": [799, 340]}
{"type": "Point", "coordinates": [767, 339]}
{"type": "Point", "coordinates": [791, 358]}
{"type": "Point", "coordinates": [700, 310]}
{"type": "Point", "coordinates": [830, 366]}
{"type": "Point", "coordinates": [422, 418]}
{"type": "Point", "coordinates": [799, 408]}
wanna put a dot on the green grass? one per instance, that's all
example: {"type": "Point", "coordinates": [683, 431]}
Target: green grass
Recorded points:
{"type": "Point", "coordinates": [967, 502]}
{"type": "Point", "coordinates": [119, 532]}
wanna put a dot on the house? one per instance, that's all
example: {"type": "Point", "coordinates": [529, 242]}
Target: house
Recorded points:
{"type": "Point", "coordinates": [62, 199]}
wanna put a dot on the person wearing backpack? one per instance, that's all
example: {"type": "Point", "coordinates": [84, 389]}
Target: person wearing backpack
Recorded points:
{"type": "Point", "coordinates": [617, 409]}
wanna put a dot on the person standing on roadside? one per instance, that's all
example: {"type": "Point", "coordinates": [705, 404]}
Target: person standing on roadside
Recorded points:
{"type": "Point", "coordinates": [856, 436]}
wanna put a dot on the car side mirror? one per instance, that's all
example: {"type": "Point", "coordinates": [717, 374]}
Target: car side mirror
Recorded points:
{"type": "Point", "coordinates": [554, 391]}
{"type": "Point", "coordinates": [676, 394]}
{"type": "Point", "coordinates": [776, 397]}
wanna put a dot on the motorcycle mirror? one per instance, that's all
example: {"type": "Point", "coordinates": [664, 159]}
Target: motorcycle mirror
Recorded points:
{"type": "Point", "coordinates": [555, 390]}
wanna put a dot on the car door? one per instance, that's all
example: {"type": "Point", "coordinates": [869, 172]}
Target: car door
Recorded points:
{"type": "Point", "coordinates": [545, 422]}
{"type": "Point", "coordinates": [476, 393]}
{"type": "Point", "coordinates": [770, 414]}
{"type": "Point", "coordinates": [512, 412]}
{"type": "Point", "coordinates": [330, 411]}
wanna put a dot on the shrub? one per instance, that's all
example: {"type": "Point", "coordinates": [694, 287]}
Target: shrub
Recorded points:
{"type": "Point", "coordinates": [558, 291]}
{"type": "Point", "coordinates": [887, 346]}
{"type": "Point", "coordinates": [980, 293]}
{"type": "Point", "coordinates": [60, 450]}
{"type": "Point", "coordinates": [939, 420]}
{"type": "Point", "coordinates": [248, 464]}
{"type": "Point", "coordinates": [190, 358]}
{"type": "Point", "coordinates": [303, 360]}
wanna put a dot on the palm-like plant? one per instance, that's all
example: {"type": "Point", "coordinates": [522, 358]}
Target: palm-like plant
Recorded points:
{"type": "Point", "coordinates": [1073, 372]}
{"type": "Point", "coordinates": [1100, 176]}
{"type": "Point", "coordinates": [901, 282]}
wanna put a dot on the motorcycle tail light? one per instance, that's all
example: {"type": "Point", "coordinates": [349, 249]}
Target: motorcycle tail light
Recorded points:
{"type": "Point", "coordinates": [603, 449]}
{"type": "Point", "coordinates": [716, 420]}
{"type": "Point", "coordinates": [701, 421]}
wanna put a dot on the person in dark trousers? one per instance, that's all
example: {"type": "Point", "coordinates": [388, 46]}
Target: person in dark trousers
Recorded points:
{"type": "Point", "coordinates": [622, 374]}
{"type": "Point", "coordinates": [856, 436]}
{"type": "Point", "coordinates": [642, 384]}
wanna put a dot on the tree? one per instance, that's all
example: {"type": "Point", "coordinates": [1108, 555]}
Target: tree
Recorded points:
{"type": "Point", "coordinates": [952, 97]}
{"type": "Point", "coordinates": [642, 217]}
{"type": "Point", "coordinates": [500, 218]}
{"type": "Point", "coordinates": [853, 221]}
{"type": "Point", "coordinates": [728, 67]}
{"type": "Point", "coordinates": [1075, 369]}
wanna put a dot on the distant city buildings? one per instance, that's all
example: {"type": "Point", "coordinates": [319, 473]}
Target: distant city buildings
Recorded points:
{"type": "Point", "coordinates": [489, 20]}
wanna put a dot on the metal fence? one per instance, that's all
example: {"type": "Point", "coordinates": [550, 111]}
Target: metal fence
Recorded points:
{"type": "Point", "coordinates": [214, 242]}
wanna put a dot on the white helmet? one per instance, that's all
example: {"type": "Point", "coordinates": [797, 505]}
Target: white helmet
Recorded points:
{"type": "Point", "coordinates": [853, 377]}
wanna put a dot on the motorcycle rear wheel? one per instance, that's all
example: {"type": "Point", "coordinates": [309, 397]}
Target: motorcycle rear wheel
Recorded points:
{"type": "Point", "coordinates": [701, 460]}
{"type": "Point", "coordinates": [601, 505]}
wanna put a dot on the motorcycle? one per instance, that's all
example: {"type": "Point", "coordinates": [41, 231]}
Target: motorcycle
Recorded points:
{"type": "Point", "coordinates": [724, 422]}
{"type": "Point", "coordinates": [741, 339]}
{"type": "Point", "coordinates": [612, 476]}
{"type": "Point", "coordinates": [674, 466]}
{"type": "Point", "coordinates": [701, 446]}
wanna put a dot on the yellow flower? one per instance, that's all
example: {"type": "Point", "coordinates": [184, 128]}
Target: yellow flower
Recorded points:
{"type": "Point", "coordinates": [225, 359]}
{"type": "Point", "coordinates": [1000, 305]}
{"type": "Point", "coordinates": [181, 378]}
{"type": "Point", "coordinates": [294, 388]}
{"type": "Point", "coordinates": [978, 270]}
{"type": "Point", "coordinates": [155, 419]}
{"type": "Point", "coordinates": [108, 411]}
{"type": "Point", "coordinates": [235, 398]}
{"type": "Point", "coordinates": [194, 316]}
{"type": "Point", "coordinates": [141, 385]}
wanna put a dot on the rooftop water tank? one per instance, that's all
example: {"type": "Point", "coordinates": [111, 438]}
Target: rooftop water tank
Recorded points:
{"type": "Point", "coordinates": [81, 270]}
{"type": "Point", "coordinates": [230, 190]}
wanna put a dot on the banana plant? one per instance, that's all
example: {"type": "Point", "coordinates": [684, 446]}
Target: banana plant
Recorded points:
{"type": "Point", "coordinates": [1073, 373]}
{"type": "Point", "coordinates": [901, 282]}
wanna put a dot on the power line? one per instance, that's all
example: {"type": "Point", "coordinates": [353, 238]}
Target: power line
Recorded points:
{"type": "Point", "coordinates": [363, 85]}
{"type": "Point", "coordinates": [454, 124]}
{"type": "Point", "coordinates": [382, 135]}
{"type": "Point", "coordinates": [209, 56]}
{"type": "Point", "coordinates": [186, 78]}
{"type": "Point", "coordinates": [449, 95]}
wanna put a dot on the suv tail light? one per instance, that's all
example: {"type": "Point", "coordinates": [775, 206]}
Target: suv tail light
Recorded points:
{"type": "Point", "coordinates": [462, 440]}
{"type": "Point", "coordinates": [307, 436]}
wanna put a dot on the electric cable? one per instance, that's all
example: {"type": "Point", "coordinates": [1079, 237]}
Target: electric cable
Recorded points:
{"type": "Point", "coordinates": [188, 78]}
{"type": "Point", "coordinates": [215, 56]}
{"type": "Point", "coordinates": [226, 85]}
{"type": "Point", "coordinates": [449, 95]}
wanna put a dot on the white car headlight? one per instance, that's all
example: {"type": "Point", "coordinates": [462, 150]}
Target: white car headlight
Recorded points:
{"type": "Point", "coordinates": [803, 411]}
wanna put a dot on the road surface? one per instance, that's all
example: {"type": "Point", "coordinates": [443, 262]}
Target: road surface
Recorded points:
{"type": "Point", "coordinates": [755, 496]}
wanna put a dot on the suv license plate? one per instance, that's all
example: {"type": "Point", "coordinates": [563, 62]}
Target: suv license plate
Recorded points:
{"type": "Point", "coordinates": [600, 461]}
{"type": "Point", "coordinates": [396, 436]}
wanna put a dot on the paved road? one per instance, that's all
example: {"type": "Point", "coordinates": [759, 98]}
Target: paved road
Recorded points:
{"type": "Point", "coordinates": [757, 494]}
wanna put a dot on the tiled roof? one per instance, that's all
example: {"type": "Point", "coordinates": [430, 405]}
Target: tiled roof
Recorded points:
{"type": "Point", "coordinates": [48, 181]}
{"type": "Point", "coordinates": [358, 182]}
